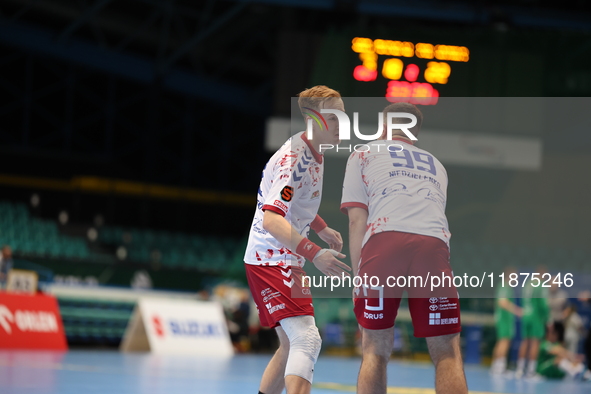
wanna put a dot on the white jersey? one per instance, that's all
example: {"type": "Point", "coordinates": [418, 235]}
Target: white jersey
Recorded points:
{"type": "Point", "coordinates": [402, 191]}
{"type": "Point", "coordinates": [292, 187]}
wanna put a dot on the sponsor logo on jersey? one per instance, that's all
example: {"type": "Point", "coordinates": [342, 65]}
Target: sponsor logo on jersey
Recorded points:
{"type": "Point", "coordinates": [259, 230]}
{"type": "Point", "coordinates": [431, 195]}
{"type": "Point", "coordinates": [396, 188]}
{"type": "Point", "coordinates": [315, 195]}
{"type": "Point", "coordinates": [287, 193]}
{"type": "Point", "coordinates": [433, 300]}
{"type": "Point", "coordinates": [433, 307]}
{"type": "Point", "coordinates": [280, 205]}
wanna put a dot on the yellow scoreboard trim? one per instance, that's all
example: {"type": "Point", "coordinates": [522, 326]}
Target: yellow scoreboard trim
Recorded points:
{"type": "Point", "coordinates": [408, 49]}
{"type": "Point", "coordinates": [393, 68]}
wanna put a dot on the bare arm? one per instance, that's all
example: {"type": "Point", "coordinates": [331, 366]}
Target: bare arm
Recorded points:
{"type": "Point", "coordinates": [562, 352]}
{"type": "Point", "coordinates": [286, 234]}
{"type": "Point", "coordinates": [281, 230]}
{"type": "Point", "coordinates": [357, 228]}
{"type": "Point", "coordinates": [509, 306]}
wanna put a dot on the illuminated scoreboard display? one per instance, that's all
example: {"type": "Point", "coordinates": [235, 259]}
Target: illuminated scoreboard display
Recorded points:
{"type": "Point", "coordinates": [407, 81]}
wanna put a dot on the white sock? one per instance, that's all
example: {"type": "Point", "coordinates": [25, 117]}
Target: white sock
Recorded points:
{"type": "Point", "coordinates": [520, 365]}
{"type": "Point", "coordinates": [499, 365]}
{"type": "Point", "coordinates": [566, 366]}
{"type": "Point", "coordinates": [570, 368]}
{"type": "Point", "coordinates": [531, 367]}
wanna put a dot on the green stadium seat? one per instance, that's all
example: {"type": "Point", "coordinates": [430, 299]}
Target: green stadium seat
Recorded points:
{"type": "Point", "coordinates": [41, 237]}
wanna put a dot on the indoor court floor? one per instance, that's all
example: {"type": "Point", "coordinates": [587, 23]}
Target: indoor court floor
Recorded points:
{"type": "Point", "coordinates": [112, 372]}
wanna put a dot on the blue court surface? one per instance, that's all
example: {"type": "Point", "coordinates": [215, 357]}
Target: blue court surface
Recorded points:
{"type": "Point", "coordinates": [112, 372]}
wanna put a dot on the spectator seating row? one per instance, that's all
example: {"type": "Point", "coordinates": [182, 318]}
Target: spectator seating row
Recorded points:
{"type": "Point", "coordinates": [176, 250]}
{"type": "Point", "coordinates": [30, 236]}
{"type": "Point", "coordinates": [94, 321]}
{"type": "Point", "coordinates": [38, 237]}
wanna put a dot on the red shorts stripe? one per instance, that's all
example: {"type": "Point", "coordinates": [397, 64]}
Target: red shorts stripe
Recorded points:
{"type": "Point", "coordinates": [278, 293]}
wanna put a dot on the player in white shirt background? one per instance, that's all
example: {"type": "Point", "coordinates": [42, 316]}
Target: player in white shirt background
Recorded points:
{"type": "Point", "coordinates": [287, 208]}
{"type": "Point", "coordinates": [395, 199]}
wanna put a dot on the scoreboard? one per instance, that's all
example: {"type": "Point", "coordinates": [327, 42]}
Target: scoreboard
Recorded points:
{"type": "Point", "coordinates": [412, 71]}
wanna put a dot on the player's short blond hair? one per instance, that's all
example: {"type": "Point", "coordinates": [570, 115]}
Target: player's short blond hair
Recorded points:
{"type": "Point", "coordinates": [409, 109]}
{"type": "Point", "coordinates": [315, 96]}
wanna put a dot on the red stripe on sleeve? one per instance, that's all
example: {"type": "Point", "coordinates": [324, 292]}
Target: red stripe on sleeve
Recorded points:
{"type": "Point", "coordinates": [346, 205]}
{"type": "Point", "coordinates": [273, 208]}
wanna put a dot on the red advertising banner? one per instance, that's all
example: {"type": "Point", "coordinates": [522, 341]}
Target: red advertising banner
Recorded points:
{"type": "Point", "coordinates": [30, 322]}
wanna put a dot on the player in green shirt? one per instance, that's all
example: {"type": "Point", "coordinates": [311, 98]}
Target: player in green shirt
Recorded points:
{"type": "Point", "coordinates": [505, 312]}
{"type": "Point", "coordinates": [554, 360]}
{"type": "Point", "coordinates": [536, 313]}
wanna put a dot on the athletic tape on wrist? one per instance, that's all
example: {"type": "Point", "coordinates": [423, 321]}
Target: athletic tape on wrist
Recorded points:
{"type": "Point", "coordinates": [332, 251]}
{"type": "Point", "coordinates": [307, 249]}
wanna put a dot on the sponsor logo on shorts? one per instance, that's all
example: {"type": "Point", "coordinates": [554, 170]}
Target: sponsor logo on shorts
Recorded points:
{"type": "Point", "coordinates": [445, 305]}
{"type": "Point", "coordinates": [433, 307]}
{"type": "Point", "coordinates": [436, 320]}
{"type": "Point", "coordinates": [273, 309]}
{"type": "Point", "coordinates": [433, 300]}
{"type": "Point", "coordinates": [266, 291]}
{"type": "Point", "coordinates": [270, 296]}
{"type": "Point", "coordinates": [373, 316]}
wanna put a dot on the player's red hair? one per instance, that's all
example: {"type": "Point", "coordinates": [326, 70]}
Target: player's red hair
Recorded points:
{"type": "Point", "coordinates": [315, 96]}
